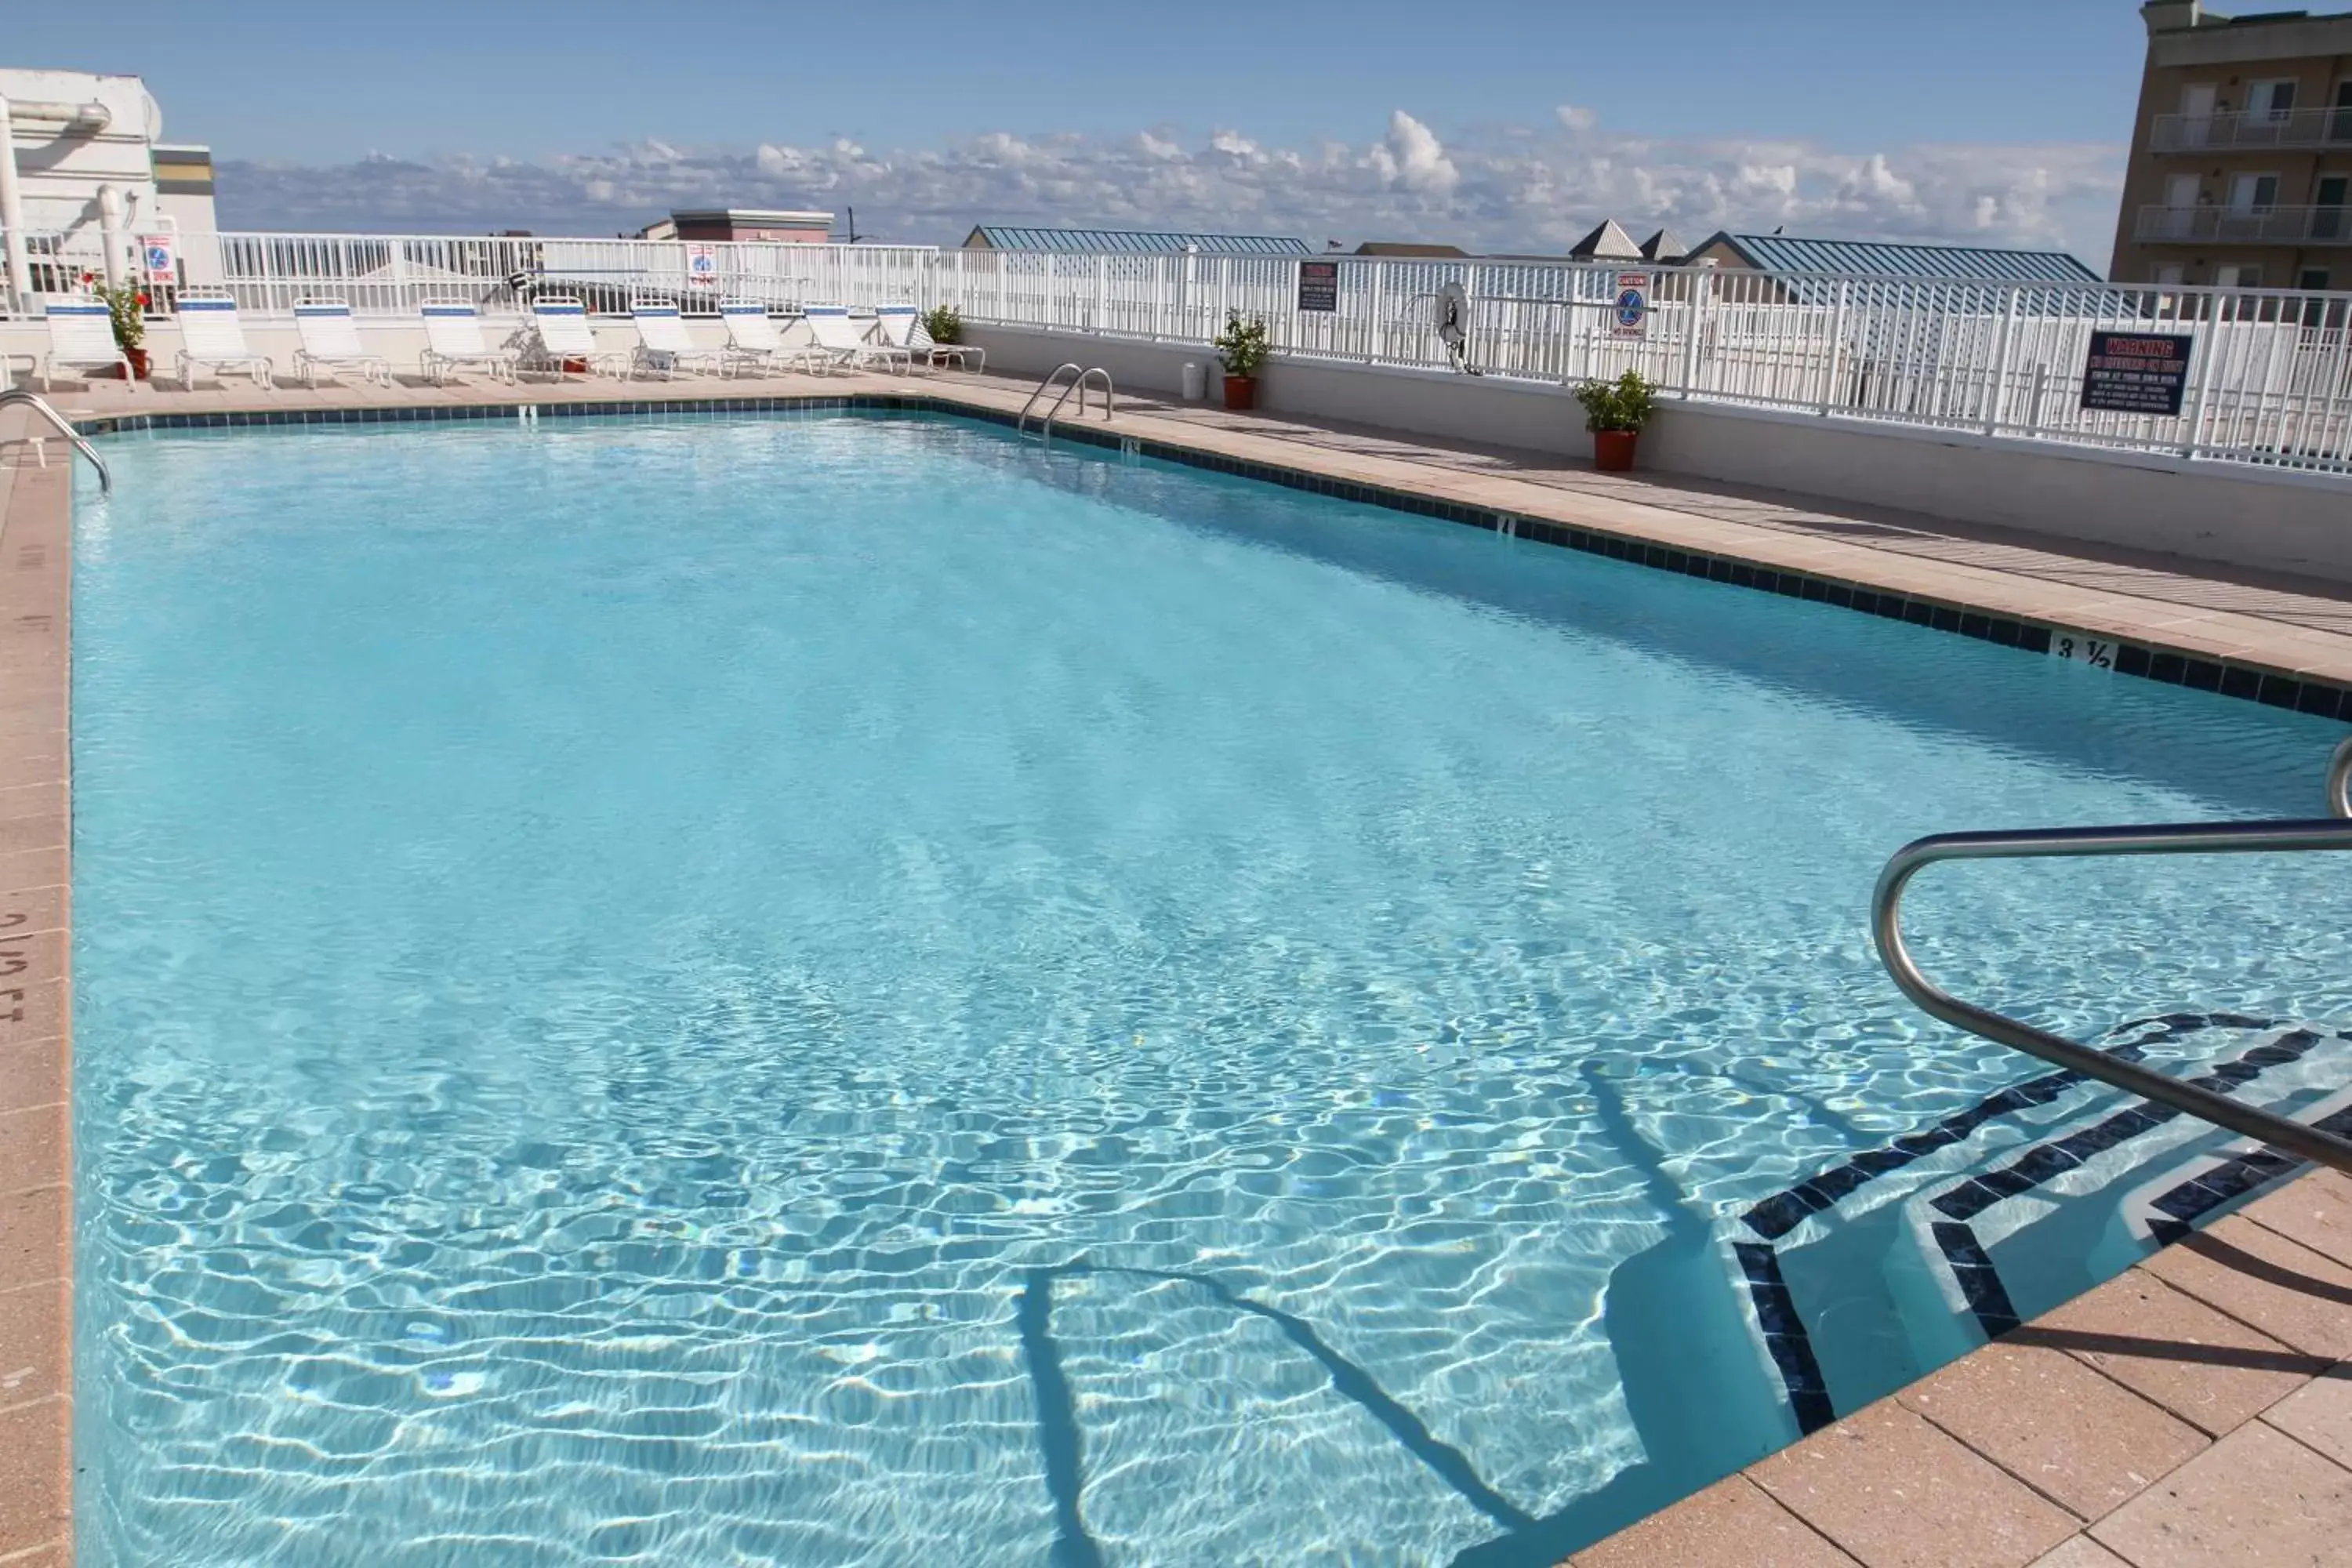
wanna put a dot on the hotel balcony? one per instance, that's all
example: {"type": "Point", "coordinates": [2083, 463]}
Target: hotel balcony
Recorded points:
{"type": "Point", "coordinates": [2240, 130]}
{"type": "Point", "coordinates": [2248, 225]}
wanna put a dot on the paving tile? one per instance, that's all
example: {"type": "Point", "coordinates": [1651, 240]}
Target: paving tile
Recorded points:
{"type": "Point", "coordinates": [34, 869]}
{"type": "Point", "coordinates": [1731, 1524]}
{"type": "Point", "coordinates": [35, 1349]}
{"type": "Point", "coordinates": [2081, 1552]}
{"type": "Point", "coordinates": [2209, 1370]}
{"type": "Point", "coordinates": [2320, 1414]}
{"type": "Point", "coordinates": [35, 1236]}
{"type": "Point", "coordinates": [2052, 1422]}
{"type": "Point", "coordinates": [32, 911]}
{"type": "Point", "coordinates": [35, 1073]}
{"type": "Point", "coordinates": [2260, 1278]}
{"type": "Point", "coordinates": [31, 1011]}
{"type": "Point", "coordinates": [33, 1147]}
{"type": "Point", "coordinates": [2257, 1496]}
{"type": "Point", "coordinates": [35, 1474]}
{"type": "Point", "coordinates": [1895, 1492]}
{"type": "Point", "coordinates": [2315, 1210]}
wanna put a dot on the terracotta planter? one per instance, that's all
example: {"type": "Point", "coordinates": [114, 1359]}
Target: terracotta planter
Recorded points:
{"type": "Point", "coordinates": [575, 367]}
{"type": "Point", "coordinates": [1240, 391]}
{"type": "Point", "coordinates": [1613, 450]}
{"type": "Point", "coordinates": [139, 366]}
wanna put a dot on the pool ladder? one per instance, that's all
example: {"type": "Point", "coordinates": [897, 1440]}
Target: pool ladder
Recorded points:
{"type": "Point", "coordinates": [40, 405]}
{"type": "Point", "coordinates": [1083, 378]}
{"type": "Point", "coordinates": [2331, 832]}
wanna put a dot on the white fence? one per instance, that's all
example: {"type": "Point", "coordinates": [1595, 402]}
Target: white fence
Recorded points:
{"type": "Point", "coordinates": [2268, 378]}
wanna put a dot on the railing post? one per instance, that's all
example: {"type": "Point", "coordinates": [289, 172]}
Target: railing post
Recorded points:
{"type": "Point", "coordinates": [1102, 288]}
{"type": "Point", "coordinates": [1052, 309]}
{"type": "Point", "coordinates": [1837, 346]}
{"type": "Point", "coordinates": [2001, 361]}
{"type": "Point", "coordinates": [1702, 297]}
{"type": "Point", "coordinates": [2201, 422]}
{"type": "Point", "coordinates": [1376, 312]}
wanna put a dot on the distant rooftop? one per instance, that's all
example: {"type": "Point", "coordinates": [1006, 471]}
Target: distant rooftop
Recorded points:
{"type": "Point", "coordinates": [994, 237]}
{"type": "Point", "coordinates": [1794, 253]}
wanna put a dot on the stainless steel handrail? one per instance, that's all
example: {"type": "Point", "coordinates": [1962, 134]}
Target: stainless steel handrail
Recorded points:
{"type": "Point", "coordinates": [1080, 386]}
{"type": "Point", "coordinates": [40, 405]}
{"type": "Point", "coordinates": [1038, 392]}
{"type": "Point", "coordinates": [2185, 838]}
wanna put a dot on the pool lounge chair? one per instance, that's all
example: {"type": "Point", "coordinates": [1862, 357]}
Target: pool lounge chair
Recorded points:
{"type": "Point", "coordinates": [81, 337]}
{"type": "Point", "coordinates": [561, 337]}
{"type": "Point", "coordinates": [928, 352]}
{"type": "Point", "coordinates": [844, 340]}
{"type": "Point", "coordinates": [899, 325]}
{"type": "Point", "coordinates": [330, 342]}
{"type": "Point", "coordinates": [754, 344]}
{"type": "Point", "coordinates": [663, 346]}
{"type": "Point", "coordinates": [453, 341]}
{"type": "Point", "coordinates": [212, 337]}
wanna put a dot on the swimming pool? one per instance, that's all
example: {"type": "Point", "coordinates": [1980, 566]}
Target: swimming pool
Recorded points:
{"type": "Point", "coordinates": [823, 990]}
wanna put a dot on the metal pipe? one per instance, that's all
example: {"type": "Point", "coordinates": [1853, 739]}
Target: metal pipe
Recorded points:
{"type": "Point", "coordinates": [110, 225]}
{"type": "Point", "coordinates": [2339, 778]}
{"type": "Point", "coordinates": [40, 405]}
{"type": "Point", "coordinates": [92, 116]}
{"type": "Point", "coordinates": [19, 283]}
{"type": "Point", "coordinates": [2187, 839]}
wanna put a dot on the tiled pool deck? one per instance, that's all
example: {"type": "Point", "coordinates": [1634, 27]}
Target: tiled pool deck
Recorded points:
{"type": "Point", "coordinates": [2196, 1410]}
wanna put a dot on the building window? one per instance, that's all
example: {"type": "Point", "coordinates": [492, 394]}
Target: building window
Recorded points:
{"type": "Point", "coordinates": [2254, 193]}
{"type": "Point", "coordinates": [2312, 278]}
{"type": "Point", "coordinates": [2169, 275]}
{"type": "Point", "coordinates": [2327, 208]}
{"type": "Point", "coordinates": [2269, 100]}
{"type": "Point", "coordinates": [2237, 275]}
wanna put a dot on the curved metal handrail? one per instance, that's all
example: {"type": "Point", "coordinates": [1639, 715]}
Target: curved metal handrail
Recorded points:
{"type": "Point", "coordinates": [2185, 838]}
{"type": "Point", "coordinates": [40, 405]}
{"type": "Point", "coordinates": [2339, 778]}
{"type": "Point", "coordinates": [1080, 386]}
{"type": "Point", "coordinates": [1038, 392]}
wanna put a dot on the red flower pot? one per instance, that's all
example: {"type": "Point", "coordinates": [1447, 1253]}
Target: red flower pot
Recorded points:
{"type": "Point", "coordinates": [1240, 391]}
{"type": "Point", "coordinates": [139, 366]}
{"type": "Point", "coordinates": [1613, 450]}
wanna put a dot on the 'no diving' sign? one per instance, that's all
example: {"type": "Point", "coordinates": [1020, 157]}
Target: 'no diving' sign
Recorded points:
{"type": "Point", "coordinates": [1629, 313]}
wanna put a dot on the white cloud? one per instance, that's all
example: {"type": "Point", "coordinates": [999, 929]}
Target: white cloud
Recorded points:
{"type": "Point", "coordinates": [1521, 189]}
{"type": "Point", "coordinates": [1577, 117]}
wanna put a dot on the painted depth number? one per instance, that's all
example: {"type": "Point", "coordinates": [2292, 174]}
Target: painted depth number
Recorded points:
{"type": "Point", "coordinates": [2075, 648]}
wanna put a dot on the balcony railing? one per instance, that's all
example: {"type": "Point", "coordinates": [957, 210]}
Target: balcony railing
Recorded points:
{"type": "Point", "coordinates": [2245, 226]}
{"type": "Point", "coordinates": [2224, 131]}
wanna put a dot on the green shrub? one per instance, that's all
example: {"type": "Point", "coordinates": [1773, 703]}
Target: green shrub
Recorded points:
{"type": "Point", "coordinates": [1242, 345]}
{"type": "Point", "coordinates": [1624, 404]}
{"type": "Point", "coordinates": [945, 324]}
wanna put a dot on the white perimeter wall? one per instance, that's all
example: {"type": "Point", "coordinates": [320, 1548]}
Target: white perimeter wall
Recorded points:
{"type": "Point", "coordinates": [2212, 511]}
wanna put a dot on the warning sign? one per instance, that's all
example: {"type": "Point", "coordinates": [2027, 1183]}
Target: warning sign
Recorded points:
{"type": "Point", "coordinates": [158, 259]}
{"type": "Point", "coordinates": [702, 266]}
{"type": "Point", "coordinates": [1629, 313]}
{"type": "Point", "coordinates": [2138, 372]}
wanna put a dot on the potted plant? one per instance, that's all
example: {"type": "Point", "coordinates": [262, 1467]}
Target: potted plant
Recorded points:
{"type": "Point", "coordinates": [1615, 411]}
{"type": "Point", "coordinates": [945, 324]}
{"type": "Point", "coordinates": [124, 301]}
{"type": "Point", "coordinates": [1244, 349]}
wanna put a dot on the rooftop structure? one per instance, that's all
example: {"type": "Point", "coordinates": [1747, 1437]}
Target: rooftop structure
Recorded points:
{"type": "Point", "coordinates": [1408, 248]}
{"type": "Point", "coordinates": [2241, 166]}
{"type": "Point", "coordinates": [1794, 253]}
{"type": "Point", "coordinates": [758, 224]}
{"type": "Point", "coordinates": [84, 154]}
{"type": "Point", "coordinates": [994, 236]}
{"type": "Point", "coordinates": [1609, 242]}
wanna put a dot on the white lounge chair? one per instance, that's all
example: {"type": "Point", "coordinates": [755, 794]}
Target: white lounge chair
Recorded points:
{"type": "Point", "coordinates": [663, 346]}
{"type": "Point", "coordinates": [753, 343]}
{"type": "Point", "coordinates": [562, 335]}
{"type": "Point", "coordinates": [212, 337]}
{"type": "Point", "coordinates": [844, 340]}
{"type": "Point", "coordinates": [331, 342]}
{"type": "Point", "coordinates": [902, 327]}
{"type": "Point", "coordinates": [81, 337]}
{"type": "Point", "coordinates": [453, 341]}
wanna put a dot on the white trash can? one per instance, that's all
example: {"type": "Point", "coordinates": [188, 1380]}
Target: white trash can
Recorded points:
{"type": "Point", "coordinates": [1196, 383]}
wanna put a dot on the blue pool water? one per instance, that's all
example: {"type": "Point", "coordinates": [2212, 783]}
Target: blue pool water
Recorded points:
{"type": "Point", "coordinates": [852, 991]}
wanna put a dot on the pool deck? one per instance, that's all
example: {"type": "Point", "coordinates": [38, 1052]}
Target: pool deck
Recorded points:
{"type": "Point", "coordinates": [2195, 1410]}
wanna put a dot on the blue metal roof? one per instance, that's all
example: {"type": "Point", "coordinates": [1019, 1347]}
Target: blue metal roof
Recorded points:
{"type": "Point", "coordinates": [1094, 239]}
{"type": "Point", "coordinates": [1788, 253]}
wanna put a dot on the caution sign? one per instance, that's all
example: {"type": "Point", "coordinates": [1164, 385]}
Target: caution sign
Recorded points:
{"type": "Point", "coordinates": [2138, 372]}
{"type": "Point", "coordinates": [1319, 285]}
{"type": "Point", "coordinates": [159, 260]}
{"type": "Point", "coordinates": [702, 266]}
{"type": "Point", "coordinates": [1629, 313]}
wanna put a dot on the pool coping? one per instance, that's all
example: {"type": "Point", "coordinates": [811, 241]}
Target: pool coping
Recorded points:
{"type": "Point", "coordinates": [1796, 1506]}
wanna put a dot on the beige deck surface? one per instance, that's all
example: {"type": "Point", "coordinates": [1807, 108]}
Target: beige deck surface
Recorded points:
{"type": "Point", "coordinates": [2196, 1410]}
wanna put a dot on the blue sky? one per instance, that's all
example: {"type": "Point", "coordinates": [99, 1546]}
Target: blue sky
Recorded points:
{"type": "Point", "coordinates": [616, 105]}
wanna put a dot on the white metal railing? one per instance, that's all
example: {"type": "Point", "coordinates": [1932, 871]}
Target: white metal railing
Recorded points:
{"type": "Point", "coordinates": [2226, 130]}
{"type": "Point", "coordinates": [2269, 377]}
{"type": "Point", "coordinates": [2247, 226]}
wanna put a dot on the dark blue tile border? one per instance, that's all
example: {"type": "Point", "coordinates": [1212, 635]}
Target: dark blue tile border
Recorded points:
{"type": "Point", "coordinates": [2251, 683]}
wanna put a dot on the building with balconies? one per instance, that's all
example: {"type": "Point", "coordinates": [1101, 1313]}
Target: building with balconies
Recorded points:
{"type": "Point", "coordinates": [2240, 171]}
